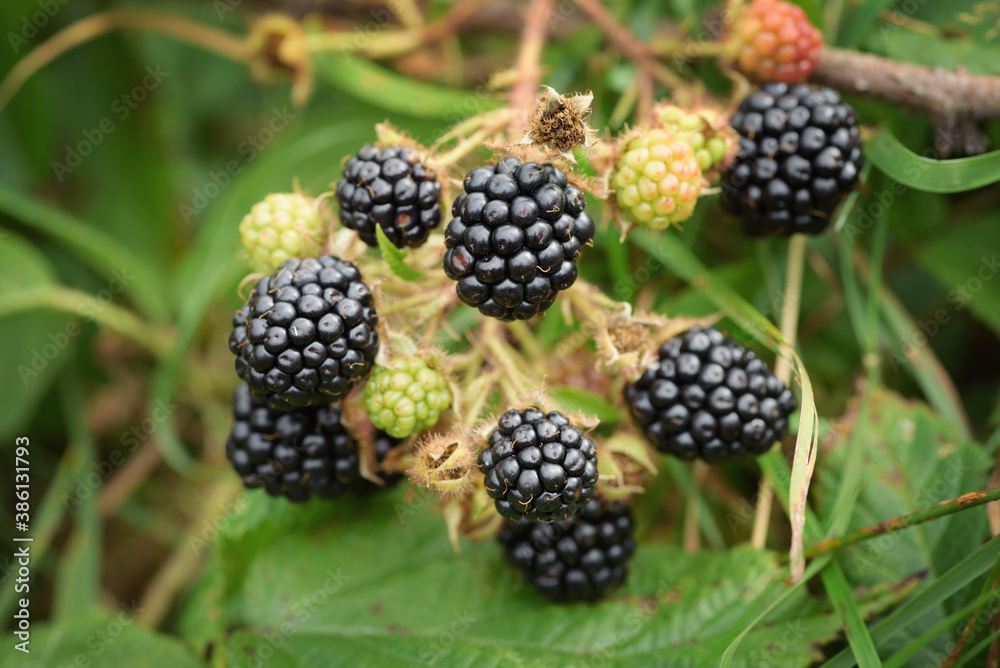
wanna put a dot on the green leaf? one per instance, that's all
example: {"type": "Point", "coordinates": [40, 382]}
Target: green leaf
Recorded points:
{"type": "Point", "coordinates": [578, 399]}
{"type": "Point", "coordinates": [101, 638]}
{"type": "Point", "coordinates": [375, 582]}
{"type": "Point", "coordinates": [936, 176]}
{"type": "Point", "coordinates": [394, 257]}
{"type": "Point", "coordinates": [393, 92]}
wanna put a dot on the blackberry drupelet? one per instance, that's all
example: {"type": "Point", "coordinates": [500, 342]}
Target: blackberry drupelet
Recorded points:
{"type": "Point", "coordinates": [538, 467]}
{"type": "Point", "coordinates": [710, 397]}
{"type": "Point", "coordinates": [296, 454]}
{"type": "Point", "coordinates": [799, 155]}
{"type": "Point", "coordinates": [307, 336]}
{"type": "Point", "coordinates": [390, 188]}
{"type": "Point", "coordinates": [576, 560]}
{"type": "Point", "coordinates": [514, 239]}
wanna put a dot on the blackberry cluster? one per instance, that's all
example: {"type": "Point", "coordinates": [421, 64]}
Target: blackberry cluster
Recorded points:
{"type": "Point", "coordinates": [295, 454]}
{"type": "Point", "coordinates": [389, 188]}
{"type": "Point", "coordinates": [710, 397]}
{"type": "Point", "coordinates": [799, 155]}
{"type": "Point", "coordinates": [576, 560]}
{"type": "Point", "coordinates": [307, 336]}
{"type": "Point", "coordinates": [538, 467]}
{"type": "Point", "coordinates": [513, 241]}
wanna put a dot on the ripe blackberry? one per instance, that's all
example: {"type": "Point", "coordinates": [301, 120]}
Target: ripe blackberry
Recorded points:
{"type": "Point", "coordinates": [389, 187]}
{"type": "Point", "coordinates": [710, 397]}
{"type": "Point", "coordinates": [307, 336]}
{"type": "Point", "coordinates": [513, 241]}
{"type": "Point", "coordinates": [538, 467]}
{"type": "Point", "coordinates": [774, 40]}
{"type": "Point", "coordinates": [296, 454]}
{"type": "Point", "coordinates": [576, 560]}
{"type": "Point", "coordinates": [799, 154]}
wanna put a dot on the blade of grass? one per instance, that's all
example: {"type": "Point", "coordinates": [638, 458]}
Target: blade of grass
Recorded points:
{"type": "Point", "coordinates": [970, 568]}
{"type": "Point", "coordinates": [936, 176]}
{"type": "Point", "coordinates": [928, 370]}
{"type": "Point", "coordinates": [112, 316]}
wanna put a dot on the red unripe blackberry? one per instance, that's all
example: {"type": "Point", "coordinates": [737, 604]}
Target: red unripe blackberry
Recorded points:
{"type": "Point", "coordinates": [389, 188]}
{"type": "Point", "coordinates": [575, 560]}
{"type": "Point", "coordinates": [538, 466]}
{"type": "Point", "coordinates": [774, 40]}
{"type": "Point", "coordinates": [707, 396]}
{"type": "Point", "coordinates": [798, 156]}
{"type": "Point", "coordinates": [513, 243]}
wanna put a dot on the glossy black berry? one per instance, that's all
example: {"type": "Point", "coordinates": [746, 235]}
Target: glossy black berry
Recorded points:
{"type": "Point", "coordinates": [799, 155]}
{"type": "Point", "coordinates": [308, 334]}
{"type": "Point", "coordinates": [538, 466]}
{"type": "Point", "coordinates": [389, 188]}
{"type": "Point", "coordinates": [514, 239]}
{"type": "Point", "coordinates": [575, 560]}
{"type": "Point", "coordinates": [707, 396]}
{"type": "Point", "coordinates": [296, 454]}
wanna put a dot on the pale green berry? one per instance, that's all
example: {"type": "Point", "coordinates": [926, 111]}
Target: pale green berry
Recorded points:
{"type": "Point", "coordinates": [406, 397]}
{"type": "Point", "coordinates": [281, 227]}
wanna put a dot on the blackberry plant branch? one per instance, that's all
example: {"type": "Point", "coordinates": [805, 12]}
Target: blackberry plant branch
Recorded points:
{"type": "Point", "coordinates": [953, 100]}
{"type": "Point", "coordinates": [937, 511]}
{"type": "Point", "coordinates": [217, 41]}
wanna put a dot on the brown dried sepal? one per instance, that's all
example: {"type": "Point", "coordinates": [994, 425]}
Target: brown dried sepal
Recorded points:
{"type": "Point", "coordinates": [444, 463]}
{"type": "Point", "coordinates": [625, 462]}
{"type": "Point", "coordinates": [560, 123]}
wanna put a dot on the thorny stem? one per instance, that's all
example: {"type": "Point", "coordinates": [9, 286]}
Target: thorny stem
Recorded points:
{"type": "Point", "coordinates": [86, 29]}
{"type": "Point", "coordinates": [783, 370]}
{"type": "Point", "coordinates": [472, 142]}
{"type": "Point", "coordinates": [520, 331]}
{"type": "Point", "coordinates": [949, 507]}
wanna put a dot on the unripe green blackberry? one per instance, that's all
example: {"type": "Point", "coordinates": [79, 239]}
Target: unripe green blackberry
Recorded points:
{"type": "Point", "coordinates": [657, 180]}
{"type": "Point", "coordinates": [705, 130]}
{"type": "Point", "coordinates": [282, 226]}
{"type": "Point", "coordinates": [406, 397]}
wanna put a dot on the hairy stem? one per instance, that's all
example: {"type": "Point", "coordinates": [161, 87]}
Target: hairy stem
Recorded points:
{"type": "Point", "coordinates": [91, 27]}
{"type": "Point", "coordinates": [970, 500]}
